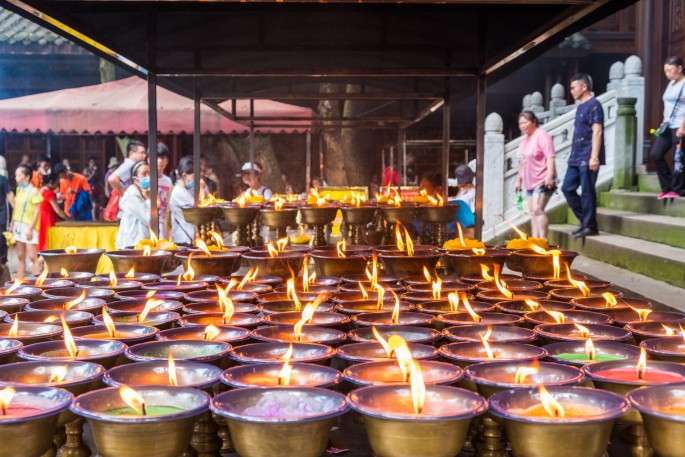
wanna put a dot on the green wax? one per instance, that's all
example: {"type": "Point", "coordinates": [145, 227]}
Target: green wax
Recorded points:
{"type": "Point", "coordinates": [585, 358]}
{"type": "Point", "coordinates": [152, 410]}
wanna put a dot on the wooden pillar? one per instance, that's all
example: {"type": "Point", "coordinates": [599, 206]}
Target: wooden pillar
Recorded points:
{"type": "Point", "coordinates": [196, 141]}
{"type": "Point", "coordinates": [480, 153]}
{"type": "Point", "coordinates": [445, 143]}
{"type": "Point", "coordinates": [152, 148]}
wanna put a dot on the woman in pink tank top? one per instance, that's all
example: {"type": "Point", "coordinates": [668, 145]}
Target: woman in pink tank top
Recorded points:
{"type": "Point", "coordinates": [537, 174]}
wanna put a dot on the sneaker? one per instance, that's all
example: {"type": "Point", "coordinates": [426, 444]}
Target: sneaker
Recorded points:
{"type": "Point", "coordinates": [662, 195]}
{"type": "Point", "coordinates": [672, 195]}
{"type": "Point", "coordinates": [577, 231]}
{"type": "Point", "coordinates": [586, 232]}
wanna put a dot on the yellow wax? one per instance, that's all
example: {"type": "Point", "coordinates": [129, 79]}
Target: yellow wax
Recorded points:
{"type": "Point", "coordinates": [106, 336]}
{"type": "Point", "coordinates": [678, 409]}
{"type": "Point", "coordinates": [570, 411]}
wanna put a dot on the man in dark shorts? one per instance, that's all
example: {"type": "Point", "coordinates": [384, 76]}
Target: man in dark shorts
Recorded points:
{"type": "Point", "coordinates": [587, 154]}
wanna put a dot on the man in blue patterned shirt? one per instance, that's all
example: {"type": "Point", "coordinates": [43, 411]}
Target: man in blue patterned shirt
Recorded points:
{"type": "Point", "coordinates": [587, 154]}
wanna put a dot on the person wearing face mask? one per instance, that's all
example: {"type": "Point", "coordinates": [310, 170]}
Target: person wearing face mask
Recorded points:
{"type": "Point", "coordinates": [25, 220]}
{"type": "Point", "coordinates": [182, 196]}
{"type": "Point", "coordinates": [135, 208]}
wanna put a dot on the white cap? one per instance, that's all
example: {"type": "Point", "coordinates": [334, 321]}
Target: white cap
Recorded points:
{"type": "Point", "coordinates": [249, 166]}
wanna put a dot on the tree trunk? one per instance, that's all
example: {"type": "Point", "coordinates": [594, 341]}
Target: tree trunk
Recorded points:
{"type": "Point", "coordinates": [107, 71]}
{"type": "Point", "coordinates": [334, 155]}
{"type": "Point", "coordinates": [358, 144]}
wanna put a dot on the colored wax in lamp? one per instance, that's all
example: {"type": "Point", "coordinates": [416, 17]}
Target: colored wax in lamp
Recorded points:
{"type": "Point", "coordinates": [585, 358]}
{"type": "Point", "coordinates": [570, 410]}
{"type": "Point", "coordinates": [150, 411]}
{"type": "Point", "coordinates": [677, 409]}
{"type": "Point", "coordinates": [631, 375]}
{"type": "Point", "coordinates": [18, 412]}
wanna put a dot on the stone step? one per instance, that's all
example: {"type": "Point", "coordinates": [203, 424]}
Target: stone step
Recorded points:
{"type": "Point", "coordinates": [643, 202]}
{"type": "Point", "coordinates": [651, 227]}
{"type": "Point", "coordinates": [656, 260]}
{"type": "Point", "coordinates": [648, 183]}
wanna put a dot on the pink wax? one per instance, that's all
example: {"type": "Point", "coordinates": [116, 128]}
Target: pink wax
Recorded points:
{"type": "Point", "coordinates": [15, 413]}
{"type": "Point", "coordinates": [630, 374]}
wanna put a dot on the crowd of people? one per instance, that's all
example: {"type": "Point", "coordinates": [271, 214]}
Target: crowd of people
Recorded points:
{"type": "Point", "coordinates": [47, 192]}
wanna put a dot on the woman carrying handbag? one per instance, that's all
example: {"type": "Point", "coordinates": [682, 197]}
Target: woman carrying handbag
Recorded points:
{"type": "Point", "coordinates": [671, 130]}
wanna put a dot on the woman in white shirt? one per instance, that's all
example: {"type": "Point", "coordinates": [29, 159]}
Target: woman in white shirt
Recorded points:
{"type": "Point", "coordinates": [182, 232]}
{"type": "Point", "coordinates": [134, 208]}
{"type": "Point", "coordinates": [672, 183]}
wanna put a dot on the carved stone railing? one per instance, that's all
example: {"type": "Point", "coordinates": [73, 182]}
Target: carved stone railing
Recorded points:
{"type": "Point", "coordinates": [501, 162]}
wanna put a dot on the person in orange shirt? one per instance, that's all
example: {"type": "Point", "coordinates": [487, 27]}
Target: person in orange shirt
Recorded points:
{"type": "Point", "coordinates": [42, 171]}
{"type": "Point", "coordinates": [70, 183]}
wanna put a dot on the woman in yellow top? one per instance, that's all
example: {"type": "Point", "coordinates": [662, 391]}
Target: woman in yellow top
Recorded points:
{"type": "Point", "coordinates": [24, 224]}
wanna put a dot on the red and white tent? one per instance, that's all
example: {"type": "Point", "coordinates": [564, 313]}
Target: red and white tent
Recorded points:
{"type": "Point", "coordinates": [120, 107]}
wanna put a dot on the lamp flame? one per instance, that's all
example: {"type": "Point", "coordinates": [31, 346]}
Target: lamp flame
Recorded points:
{"type": "Point", "coordinates": [218, 239]}
{"type": "Point", "coordinates": [147, 252]}
{"type": "Point", "coordinates": [551, 405]}
{"type": "Point", "coordinates": [501, 286]}
{"type": "Point", "coordinates": [64, 272]}
{"type": "Point", "coordinates": [682, 331]}
{"type": "Point", "coordinates": [58, 374]}
{"type": "Point", "coordinates": [200, 244]}
{"type": "Point", "coordinates": [558, 317]}
{"type": "Point", "coordinates": [14, 330]}
{"type": "Point", "coordinates": [6, 396]}
{"type": "Point", "coordinates": [437, 289]}
{"type": "Point", "coordinates": [113, 281]}
{"type": "Point", "coordinates": [523, 372]}
{"type": "Point", "coordinates": [642, 313]}
{"type": "Point", "coordinates": [519, 232]}
{"type": "Point", "coordinates": [398, 237]}
{"type": "Point", "coordinates": [173, 378]}
{"type": "Point", "coordinates": [41, 279]}
{"type": "Point", "coordinates": [669, 331]}
{"type": "Point", "coordinates": [340, 247]}
{"type": "Point", "coordinates": [71, 250]}
{"type": "Point", "coordinates": [153, 237]}
{"type": "Point", "coordinates": [532, 304]}
{"type": "Point", "coordinates": [249, 277]}
{"type": "Point", "coordinates": [475, 316]}
{"type": "Point", "coordinates": [484, 269]}
{"type": "Point", "coordinates": [286, 371]}
{"type": "Point", "coordinates": [70, 304]}
{"type": "Point", "coordinates": [307, 315]}
{"type": "Point", "coordinates": [109, 323]}
{"type": "Point", "coordinates": [281, 244]}
{"type": "Point", "coordinates": [488, 332]}
{"type": "Point", "coordinates": [382, 341]}
{"type": "Point", "coordinates": [273, 252]}
{"type": "Point", "coordinates": [453, 300]}
{"type": "Point", "coordinates": [641, 367]}
{"type": "Point", "coordinates": [580, 285]}
{"type": "Point", "coordinates": [478, 251]}
{"type": "Point", "coordinates": [225, 305]}
{"type": "Point", "coordinates": [461, 235]}
{"type": "Point", "coordinates": [486, 345]}
{"type": "Point", "coordinates": [396, 309]}
{"type": "Point", "coordinates": [305, 274]}
{"type": "Point", "coordinates": [590, 349]}
{"type": "Point", "coordinates": [131, 273]}
{"type": "Point", "coordinates": [133, 399]}
{"type": "Point", "coordinates": [365, 295]}
{"type": "Point", "coordinates": [291, 293]}
{"type": "Point", "coordinates": [149, 306]}
{"type": "Point", "coordinates": [380, 292]}
{"type": "Point", "coordinates": [13, 287]}
{"type": "Point", "coordinates": [189, 274]}
{"type": "Point", "coordinates": [211, 332]}
{"type": "Point", "coordinates": [610, 300]}
{"type": "Point", "coordinates": [278, 204]}
{"type": "Point", "coordinates": [69, 340]}
{"type": "Point", "coordinates": [584, 331]}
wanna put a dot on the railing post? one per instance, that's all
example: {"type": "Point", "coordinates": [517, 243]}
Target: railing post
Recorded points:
{"type": "Point", "coordinates": [493, 174]}
{"type": "Point", "coordinates": [624, 144]}
{"type": "Point", "coordinates": [557, 100]}
{"type": "Point", "coordinates": [633, 86]}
